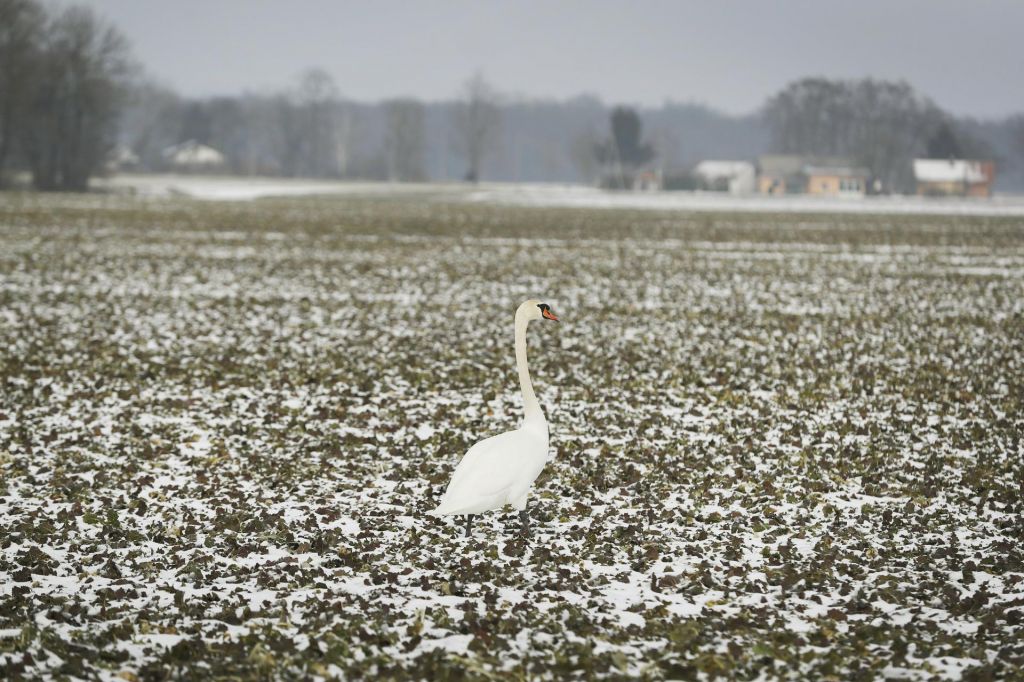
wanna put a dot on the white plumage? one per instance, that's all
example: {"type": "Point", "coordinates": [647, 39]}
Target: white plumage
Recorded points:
{"type": "Point", "coordinates": [501, 469]}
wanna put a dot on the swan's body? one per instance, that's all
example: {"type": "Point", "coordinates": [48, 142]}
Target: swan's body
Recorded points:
{"type": "Point", "coordinates": [495, 472]}
{"type": "Point", "coordinates": [501, 469]}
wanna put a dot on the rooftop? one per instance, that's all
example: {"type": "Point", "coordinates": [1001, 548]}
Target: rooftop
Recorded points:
{"type": "Point", "coordinates": [717, 169]}
{"type": "Point", "coordinates": [950, 170]}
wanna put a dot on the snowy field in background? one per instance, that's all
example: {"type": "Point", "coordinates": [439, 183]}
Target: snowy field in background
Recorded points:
{"type": "Point", "coordinates": [231, 188]}
{"type": "Point", "coordinates": [544, 195]}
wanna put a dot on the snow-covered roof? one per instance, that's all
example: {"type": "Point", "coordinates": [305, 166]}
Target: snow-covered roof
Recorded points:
{"type": "Point", "coordinates": [192, 153]}
{"type": "Point", "coordinates": [949, 170]}
{"type": "Point", "coordinates": [723, 169]}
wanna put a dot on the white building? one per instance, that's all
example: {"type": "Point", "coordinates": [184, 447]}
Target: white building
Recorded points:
{"type": "Point", "coordinates": [956, 177]}
{"type": "Point", "coordinates": [192, 156]}
{"type": "Point", "coordinates": [121, 157]}
{"type": "Point", "coordinates": [734, 177]}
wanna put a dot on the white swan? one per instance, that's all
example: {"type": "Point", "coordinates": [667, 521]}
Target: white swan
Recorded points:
{"type": "Point", "coordinates": [501, 469]}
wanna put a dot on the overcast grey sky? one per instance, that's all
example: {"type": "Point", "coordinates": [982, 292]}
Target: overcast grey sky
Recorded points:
{"type": "Point", "coordinates": [728, 54]}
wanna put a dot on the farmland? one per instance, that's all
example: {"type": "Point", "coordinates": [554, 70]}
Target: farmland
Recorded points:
{"type": "Point", "coordinates": [782, 445]}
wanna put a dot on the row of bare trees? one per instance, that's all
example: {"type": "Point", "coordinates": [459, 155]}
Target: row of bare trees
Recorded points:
{"type": "Point", "coordinates": [310, 130]}
{"type": "Point", "coordinates": [63, 77]}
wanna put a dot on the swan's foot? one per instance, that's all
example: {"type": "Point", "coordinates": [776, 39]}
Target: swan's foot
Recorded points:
{"type": "Point", "coordinates": [469, 524]}
{"type": "Point", "coordinates": [524, 523]}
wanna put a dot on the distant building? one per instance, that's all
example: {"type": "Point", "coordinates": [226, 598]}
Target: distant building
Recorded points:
{"type": "Point", "coordinates": [191, 156]}
{"type": "Point", "coordinates": [836, 180]}
{"type": "Point", "coordinates": [954, 177]}
{"type": "Point", "coordinates": [647, 181]}
{"type": "Point", "coordinates": [734, 177]}
{"type": "Point", "coordinates": [781, 174]}
{"type": "Point", "coordinates": [790, 174]}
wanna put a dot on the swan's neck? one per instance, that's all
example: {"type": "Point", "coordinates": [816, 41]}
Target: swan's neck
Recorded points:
{"type": "Point", "coordinates": [531, 407]}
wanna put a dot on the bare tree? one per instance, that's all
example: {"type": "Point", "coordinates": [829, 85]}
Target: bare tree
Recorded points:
{"type": "Point", "coordinates": [318, 115]}
{"type": "Point", "coordinates": [21, 27]}
{"type": "Point", "coordinates": [945, 143]}
{"type": "Point", "coordinates": [405, 140]}
{"type": "Point", "coordinates": [1016, 128]}
{"type": "Point", "coordinates": [581, 151]}
{"type": "Point", "coordinates": [306, 136]}
{"type": "Point", "coordinates": [80, 88]}
{"type": "Point", "coordinates": [151, 121]}
{"type": "Point", "coordinates": [624, 151]}
{"type": "Point", "coordinates": [259, 127]}
{"type": "Point", "coordinates": [892, 125]}
{"type": "Point", "coordinates": [287, 135]}
{"type": "Point", "coordinates": [477, 121]}
{"type": "Point", "coordinates": [881, 125]}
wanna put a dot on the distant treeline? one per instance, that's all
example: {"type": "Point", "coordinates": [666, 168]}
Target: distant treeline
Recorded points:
{"type": "Point", "coordinates": [71, 103]}
{"type": "Point", "coordinates": [311, 130]}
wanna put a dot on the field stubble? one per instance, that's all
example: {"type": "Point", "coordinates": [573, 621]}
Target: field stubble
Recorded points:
{"type": "Point", "coordinates": [783, 446]}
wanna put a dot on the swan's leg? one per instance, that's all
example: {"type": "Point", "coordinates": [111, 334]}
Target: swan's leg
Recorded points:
{"type": "Point", "coordinates": [524, 517]}
{"type": "Point", "coordinates": [469, 524]}
{"type": "Point", "coordinates": [524, 522]}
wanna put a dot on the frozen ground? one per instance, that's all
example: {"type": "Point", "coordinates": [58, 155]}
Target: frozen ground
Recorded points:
{"type": "Point", "coordinates": [555, 196]}
{"type": "Point", "coordinates": [784, 446]}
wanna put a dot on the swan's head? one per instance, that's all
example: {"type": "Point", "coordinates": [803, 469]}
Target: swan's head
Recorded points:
{"type": "Point", "coordinates": [535, 310]}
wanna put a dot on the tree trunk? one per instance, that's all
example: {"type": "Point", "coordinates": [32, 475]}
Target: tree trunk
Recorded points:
{"type": "Point", "coordinates": [3, 160]}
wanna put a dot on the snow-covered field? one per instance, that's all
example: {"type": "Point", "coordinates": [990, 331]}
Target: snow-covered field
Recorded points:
{"type": "Point", "coordinates": [235, 188]}
{"type": "Point", "coordinates": [554, 196]}
{"type": "Point", "coordinates": [784, 445]}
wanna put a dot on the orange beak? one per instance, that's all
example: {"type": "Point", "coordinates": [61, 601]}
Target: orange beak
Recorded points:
{"type": "Point", "coordinates": [548, 315]}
